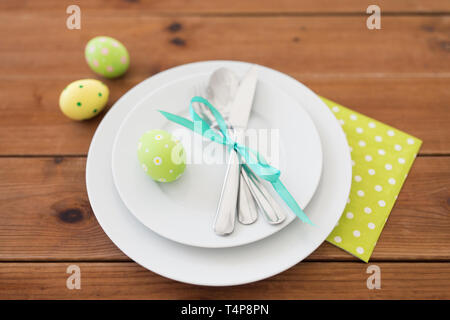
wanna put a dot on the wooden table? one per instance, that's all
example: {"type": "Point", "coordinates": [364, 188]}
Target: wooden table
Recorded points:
{"type": "Point", "coordinates": [399, 75]}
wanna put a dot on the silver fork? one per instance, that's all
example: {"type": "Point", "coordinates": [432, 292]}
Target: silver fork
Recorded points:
{"type": "Point", "coordinates": [251, 187]}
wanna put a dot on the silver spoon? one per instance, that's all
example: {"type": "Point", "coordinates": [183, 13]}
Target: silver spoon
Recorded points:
{"type": "Point", "coordinates": [221, 90]}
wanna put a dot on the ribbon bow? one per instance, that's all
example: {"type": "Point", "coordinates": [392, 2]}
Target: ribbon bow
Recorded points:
{"type": "Point", "coordinates": [260, 167]}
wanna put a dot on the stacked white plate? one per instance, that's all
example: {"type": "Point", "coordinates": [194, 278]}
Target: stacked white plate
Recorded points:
{"type": "Point", "coordinates": [167, 228]}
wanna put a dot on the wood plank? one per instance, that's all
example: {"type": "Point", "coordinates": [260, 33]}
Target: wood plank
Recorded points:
{"type": "Point", "coordinates": [45, 212]}
{"type": "Point", "coordinates": [36, 46]}
{"type": "Point", "coordinates": [311, 280]}
{"type": "Point", "coordinates": [45, 215]}
{"type": "Point", "coordinates": [32, 124]}
{"type": "Point", "coordinates": [228, 6]}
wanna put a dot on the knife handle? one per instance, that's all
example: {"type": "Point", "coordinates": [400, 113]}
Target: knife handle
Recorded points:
{"type": "Point", "coordinates": [226, 211]}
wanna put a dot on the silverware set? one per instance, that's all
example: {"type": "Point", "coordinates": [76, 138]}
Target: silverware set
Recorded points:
{"type": "Point", "coordinates": [242, 191]}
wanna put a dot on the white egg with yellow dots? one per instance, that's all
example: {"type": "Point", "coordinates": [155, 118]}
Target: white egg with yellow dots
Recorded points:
{"type": "Point", "coordinates": [83, 99]}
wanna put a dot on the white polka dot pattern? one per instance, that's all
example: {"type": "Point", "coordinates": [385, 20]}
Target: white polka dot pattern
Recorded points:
{"type": "Point", "coordinates": [381, 159]}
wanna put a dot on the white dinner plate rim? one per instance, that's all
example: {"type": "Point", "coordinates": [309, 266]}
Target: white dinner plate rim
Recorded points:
{"type": "Point", "coordinates": [289, 259]}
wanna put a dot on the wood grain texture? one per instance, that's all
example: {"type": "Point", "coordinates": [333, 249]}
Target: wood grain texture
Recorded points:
{"type": "Point", "coordinates": [32, 124]}
{"type": "Point", "coordinates": [226, 6]}
{"type": "Point", "coordinates": [39, 47]}
{"type": "Point", "coordinates": [310, 280]}
{"type": "Point", "coordinates": [45, 215]}
{"type": "Point", "coordinates": [45, 212]}
{"type": "Point", "coordinates": [399, 75]}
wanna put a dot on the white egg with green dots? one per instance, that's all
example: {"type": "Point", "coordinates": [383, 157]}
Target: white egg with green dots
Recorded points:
{"type": "Point", "coordinates": [161, 155]}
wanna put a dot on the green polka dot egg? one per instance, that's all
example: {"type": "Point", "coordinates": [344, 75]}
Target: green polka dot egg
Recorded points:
{"type": "Point", "coordinates": [161, 155]}
{"type": "Point", "coordinates": [107, 57]}
{"type": "Point", "coordinates": [83, 99]}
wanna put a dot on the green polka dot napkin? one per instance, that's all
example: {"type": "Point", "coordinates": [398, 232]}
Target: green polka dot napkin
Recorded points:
{"type": "Point", "coordinates": [381, 158]}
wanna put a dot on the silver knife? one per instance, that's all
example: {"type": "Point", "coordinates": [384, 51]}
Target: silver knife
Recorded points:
{"type": "Point", "coordinates": [239, 113]}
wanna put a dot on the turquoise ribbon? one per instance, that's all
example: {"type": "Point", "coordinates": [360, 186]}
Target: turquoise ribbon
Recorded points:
{"type": "Point", "coordinates": [252, 157]}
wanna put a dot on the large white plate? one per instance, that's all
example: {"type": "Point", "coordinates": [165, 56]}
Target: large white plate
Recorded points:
{"type": "Point", "coordinates": [184, 210]}
{"type": "Point", "coordinates": [228, 266]}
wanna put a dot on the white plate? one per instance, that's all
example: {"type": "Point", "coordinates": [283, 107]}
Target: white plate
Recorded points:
{"type": "Point", "coordinates": [184, 210]}
{"type": "Point", "coordinates": [228, 266]}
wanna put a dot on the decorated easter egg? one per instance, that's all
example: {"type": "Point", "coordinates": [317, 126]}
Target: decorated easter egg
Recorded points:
{"type": "Point", "coordinates": [161, 155]}
{"type": "Point", "coordinates": [83, 99]}
{"type": "Point", "coordinates": [107, 56]}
